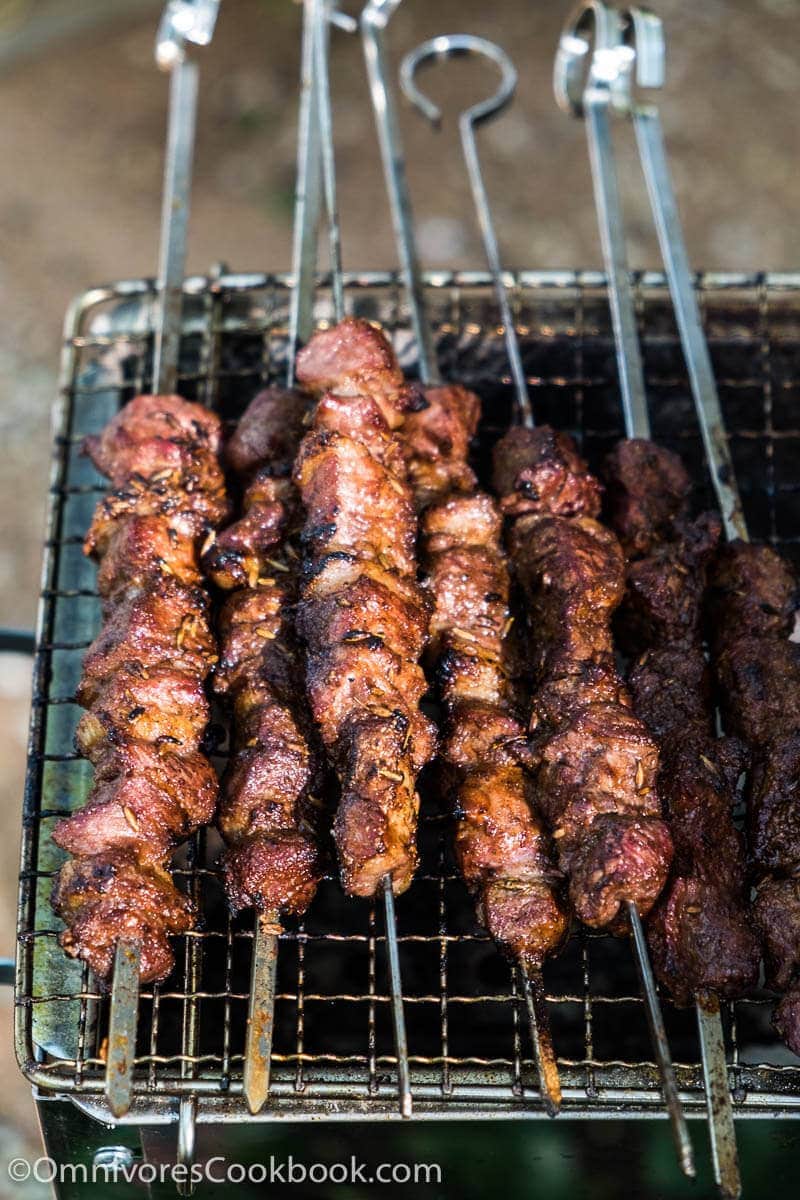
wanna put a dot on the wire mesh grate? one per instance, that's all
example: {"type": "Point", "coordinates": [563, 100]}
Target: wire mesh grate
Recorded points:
{"type": "Point", "coordinates": [468, 1039]}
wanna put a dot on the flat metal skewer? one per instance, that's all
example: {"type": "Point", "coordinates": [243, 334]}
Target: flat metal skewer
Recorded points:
{"type": "Point", "coordinates": [316, 175]}
{"type": "Point", "coordinates": [631, 46]}
{"type": "Point", "coordinates": [606, 64]}
{"type": "Point", "coordinates": [122, 1027]}
{"type": "Point", "coordinates": [646, 32]}
{"type": "Point", "coordinates": [542, 1038]}
{"type": "Point", "coordinates": [182, 21]}
{"type": "Point", "coordinates": [307, 198]}
{"type": "Point", "coordinates": [658, 1036]}
{"type": "Point", "coordinates": [445, 47]}
{"type": "Point", "coordinates": [261, 1011]}
{"type": "Point", "coordinates": [322, 91]}
{"type": "Point", "coordinates": [374, 19]}
{"type": "Point", "coordinates": [724, 1155]}
{"type": "Point", "coordinates": [396, 994]}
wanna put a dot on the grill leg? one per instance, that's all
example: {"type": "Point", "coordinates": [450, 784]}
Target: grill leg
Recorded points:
{"type": "Point", "coordinates": [71, 1136]}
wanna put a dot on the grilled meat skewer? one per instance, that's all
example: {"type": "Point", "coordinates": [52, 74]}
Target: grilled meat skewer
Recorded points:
{"type": "Point", "coordinates": [501, 849]}
{"type": "Point", "coordinates": [267, 812]}
{"type": "Point", "coordinates": [595, 762]}
{"type": "Point", "coordinates": [700, 931]}
{"type": "Point", "coordinates": [752, 603]}
{"type": "Point", "coordinates": [362, 613]}
{"type": "Point", "coordinates": [142, 686]}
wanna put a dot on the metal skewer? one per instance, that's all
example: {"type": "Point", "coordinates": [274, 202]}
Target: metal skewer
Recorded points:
{"type": "Point", "coordinates": [182, 21]}
{"type": "Point", "coordinates": [122, 1025]}
{"type": "Point", "coordinates": [319, 17]}
{"type": "Point", "coordinates": [374, 19]}
{"type": "Point", "coordinates": [645, 31]}
{"type": "Point", "coordinates": [630, 46]}
{"type": "Point", "coordinates": [261, 1011]}
{"type": "Point", "coordinates": [396, 992]}
{"type": "Point", "coordinates": [314, 149]}
{"type": "Point", "coordinates": [445, 47]}
{"type": "Point", "coordinates": [542, 1039]}
{"type": "Point", "coordinates": [658, 1037]}
{"type": "Point", "coordinates": [306, 201]}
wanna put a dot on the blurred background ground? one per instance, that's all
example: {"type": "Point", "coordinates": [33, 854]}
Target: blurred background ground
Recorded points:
{"type": "Point", "coordinates": [82, 112]}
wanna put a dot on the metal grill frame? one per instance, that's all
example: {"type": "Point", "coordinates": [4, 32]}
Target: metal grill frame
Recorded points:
{"type": "Point", "coordinates": [751, 314]}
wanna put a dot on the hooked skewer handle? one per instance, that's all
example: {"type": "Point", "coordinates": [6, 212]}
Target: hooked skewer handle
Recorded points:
{"type": "Point", "coordinates": [446, 46]}
{"type": "Point", "coordinates": [183, 21]}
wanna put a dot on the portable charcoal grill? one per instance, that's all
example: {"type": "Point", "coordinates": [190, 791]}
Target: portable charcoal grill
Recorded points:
{"type": "Point", "coordinates": [338, 1042]}
{"type": "Point", "coordinates": [333, 1052]}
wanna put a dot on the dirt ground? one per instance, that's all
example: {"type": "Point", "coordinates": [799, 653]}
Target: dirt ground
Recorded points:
{"type": "Point", "coordinates": [82, 115]}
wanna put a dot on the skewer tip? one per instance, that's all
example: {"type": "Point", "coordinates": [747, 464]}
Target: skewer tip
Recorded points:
{"type": "Point", "coordinates": [546, 1065]}
{"type": "Point", "coordinates": [658, 1034]}
{"type": "Point", "coordinates": [396, 994]}
{"type": "Point", "coordinates": [123, 1022]}
{"type": "Point", "coordinates": [261, 1013]}
{"type": "Point", "coordinates": [719, 1105]}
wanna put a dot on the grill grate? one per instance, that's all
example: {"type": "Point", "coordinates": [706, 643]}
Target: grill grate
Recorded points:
{"type": "Point", "coordinates": [468, 1039]}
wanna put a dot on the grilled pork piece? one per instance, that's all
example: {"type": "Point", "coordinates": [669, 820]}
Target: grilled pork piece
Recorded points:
{"type": "Point", "coordinates": [142, 686]}
{"type": "Point", "coordinates": [268, 810]}
{"type": "Point", "coordinates": [112, 894]}
{"type": "Point", "coordinates": [268, 433]}
{"type": "Point", "coordinates": [752, 600]}
{"type": "Point", "coordinates": [158, 432]}
{"type": "Point", "coordinates": [647, 488]}
{"type": "Point", "coordinates": [145, 797]}
{"type": "Point", "coordinates": [364, 681]}
{"type": "Point", "coordinates": [134, 551]}
{"type": "Point", "coordinates": [501, 847]}
{"type": "Point", "coordinates": [355, 359]}
{"type": "Point", "coordinates": [436, 439]}
{"type": "Point", "coordinates": [700, 930]}
{"type": "Point", "coordinates": [165, 622]}
{"type": "Point", "coordinates": [595, 762]}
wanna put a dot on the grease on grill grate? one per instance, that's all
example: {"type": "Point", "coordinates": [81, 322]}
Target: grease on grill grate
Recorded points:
{"type": "Point", "coordinates": [466, 1020]}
